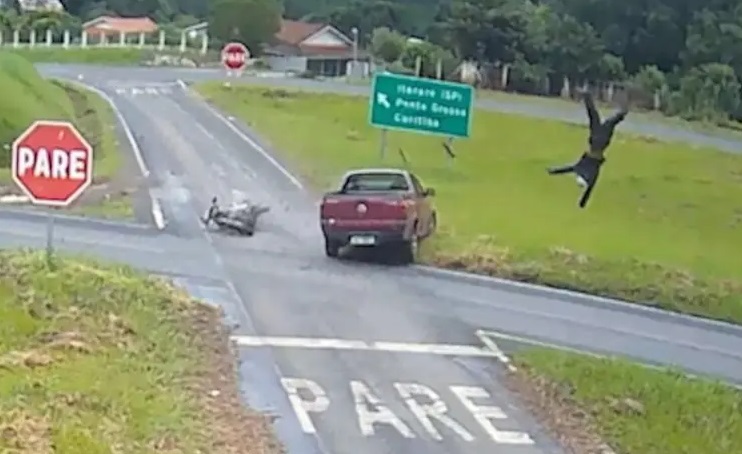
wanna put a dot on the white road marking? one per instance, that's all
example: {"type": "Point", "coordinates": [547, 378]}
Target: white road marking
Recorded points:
{"type": "Point", "coordinates": [364, 400]}
{"type": "Point", "coordinates": [303, 407]}
{"type": "Point", "coordinates": [485, 413]}
{"type": "Point", "coordinates": [499, 354]}
{"type": "Point", "coordinates": [295, 181]}
{"type": "Point", "coordinates": [308, 399]}
{"type": "Point", "coordinates": [156, 209]}
{"type": "Point", "coordinates": [349, 344]}
{"type": "Point", "coordinates": [425, 413]}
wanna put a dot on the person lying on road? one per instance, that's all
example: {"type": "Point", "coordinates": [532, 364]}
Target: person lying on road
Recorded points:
{"type": "Point", "coordinates": [587, 168]}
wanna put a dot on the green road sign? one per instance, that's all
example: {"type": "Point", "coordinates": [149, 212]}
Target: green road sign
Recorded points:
{"type": "Point", "coordinates": [421, 105]}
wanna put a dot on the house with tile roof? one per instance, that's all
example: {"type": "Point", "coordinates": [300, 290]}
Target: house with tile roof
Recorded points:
{"type": "Point", "coordinates": [107, 27]}
{"type": "Point", "coordinates": [311, 47]}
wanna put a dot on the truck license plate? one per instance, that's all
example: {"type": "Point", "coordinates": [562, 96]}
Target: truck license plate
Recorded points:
{"type": "Point", "coordinates": [362, 240]}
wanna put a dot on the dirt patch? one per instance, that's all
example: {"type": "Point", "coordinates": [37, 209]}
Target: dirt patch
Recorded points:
{"type": "Point", "coordinates": [554, 408]}
{"type": "Point", "coordinates": [25, 434]}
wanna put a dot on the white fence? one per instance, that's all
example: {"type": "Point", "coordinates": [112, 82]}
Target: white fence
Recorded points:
{"type": "Point", "coordinates": [140, 41]}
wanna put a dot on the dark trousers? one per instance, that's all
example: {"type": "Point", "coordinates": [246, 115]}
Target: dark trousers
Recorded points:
{"type": "Point", "coordinates": [587, 168]}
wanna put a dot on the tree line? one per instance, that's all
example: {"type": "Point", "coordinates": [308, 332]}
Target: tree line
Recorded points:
{"type": "Point", "coordinates": [683, 57]}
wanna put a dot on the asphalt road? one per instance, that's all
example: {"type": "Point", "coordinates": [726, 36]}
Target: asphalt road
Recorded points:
{"type": "Point", "coordinates": [332, 347]}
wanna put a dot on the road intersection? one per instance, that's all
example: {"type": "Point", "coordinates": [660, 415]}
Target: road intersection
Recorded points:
{"type": "Point", "coordinates": [351, 357]}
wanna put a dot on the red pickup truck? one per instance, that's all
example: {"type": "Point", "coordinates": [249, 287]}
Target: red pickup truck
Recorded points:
{"type": "Point", "coordinates": [378, 208]}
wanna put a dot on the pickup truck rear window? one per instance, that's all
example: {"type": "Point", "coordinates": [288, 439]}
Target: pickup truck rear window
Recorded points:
{"type": "Point", "coordinates": [365, 182]}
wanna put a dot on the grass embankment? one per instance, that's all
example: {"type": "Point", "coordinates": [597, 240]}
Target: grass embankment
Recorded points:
{"type": "Point", "coordinates": [57, 54]}
{"type": "Point", "coordinates": [101, 359]}
{"type": "Point", "coordinates": [663, 226]}
{"type": "Point", "coordinates": [28, 97]}
{"type": "Point", "coordinates": [587, 401]}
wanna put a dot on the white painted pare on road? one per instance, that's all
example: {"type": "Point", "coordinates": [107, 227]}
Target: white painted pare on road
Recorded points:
{"type": "Point", "coordinates": [428, 412]}
{"type": "Point", "coordinates": [349, 344]}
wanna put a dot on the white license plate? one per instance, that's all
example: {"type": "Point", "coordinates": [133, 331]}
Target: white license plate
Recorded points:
{"type": "Point", "coordinates": [362, 240]}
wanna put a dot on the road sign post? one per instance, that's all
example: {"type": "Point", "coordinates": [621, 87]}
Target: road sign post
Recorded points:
{"type": "Point", "coordinates": [234, 58]}
{"type": "Point", "coordinates": [425, 106]}
{"type": "Point", "coordinates": [52, 163]}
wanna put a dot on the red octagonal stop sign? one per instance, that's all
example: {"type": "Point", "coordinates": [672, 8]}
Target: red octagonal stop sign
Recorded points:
{"type": "Point", "coordinates": [52, 163]}
{"type": "Point", "coordinates": [235, 56]}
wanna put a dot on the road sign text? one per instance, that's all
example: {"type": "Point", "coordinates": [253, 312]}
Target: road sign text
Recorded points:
{"type": "Point", "coordinates": [421, 105]}
{"type": "Point", "coordinates": [55, 163]}
{"type": "Point", "coordinates": [52, 163]}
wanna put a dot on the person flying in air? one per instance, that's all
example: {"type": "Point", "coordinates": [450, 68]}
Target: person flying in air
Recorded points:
{"type": "Point", "coordinates": [587, 168]}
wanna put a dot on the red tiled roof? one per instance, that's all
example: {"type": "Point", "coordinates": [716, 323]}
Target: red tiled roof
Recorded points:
{"type": "Point", "coordinates": [122, 24]}
{"type": "Point", "coordinates": [294, 32]}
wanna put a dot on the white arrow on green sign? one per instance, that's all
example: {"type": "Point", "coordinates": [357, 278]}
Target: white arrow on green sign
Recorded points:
{"type": "Point", "coordinates": [421, 105]}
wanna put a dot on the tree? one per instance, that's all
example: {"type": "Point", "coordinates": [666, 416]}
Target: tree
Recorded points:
{"type": "Point", "coordinates": [252, 22]}
{"type": "Point", "coordinates": [709, 92]}
{"type": "Point", "coordinates": [430, 56]}
{"type": "Point", "coordinates": [651, 85]}
{"type": "Point", "coordinates": [483, 30]}
{"type": "Point", "coordinates": [387, 45]}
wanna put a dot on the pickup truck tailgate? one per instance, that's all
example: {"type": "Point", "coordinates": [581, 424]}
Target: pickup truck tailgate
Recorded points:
{"type": "Point", "coordinates": [365, 209]}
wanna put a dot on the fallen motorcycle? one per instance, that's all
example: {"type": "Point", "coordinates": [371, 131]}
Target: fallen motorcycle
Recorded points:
{"type": "Point", "coordinates": [240, 218]}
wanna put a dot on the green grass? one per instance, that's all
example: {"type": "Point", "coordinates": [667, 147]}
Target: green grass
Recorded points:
{"type": "Point", "coordinates": [57, 54]}
{"type": "Point", "coordinates": [97, 357]}
{"type": "Point", "coordinates": [667, 412]}
{"type": "Point", "coordinates": [28, 97]}
{"type": "Point", "coordinates": [663, 225]}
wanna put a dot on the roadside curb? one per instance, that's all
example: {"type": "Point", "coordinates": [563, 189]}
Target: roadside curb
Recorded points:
{"type": "Point", "coordinates": [70, 219]}
{"type": "Point", "coordinates": [578, 298]}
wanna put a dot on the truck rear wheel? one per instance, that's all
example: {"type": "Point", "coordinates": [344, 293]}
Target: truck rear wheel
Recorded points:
{"type": "Point", "coordinates": [332, 248]}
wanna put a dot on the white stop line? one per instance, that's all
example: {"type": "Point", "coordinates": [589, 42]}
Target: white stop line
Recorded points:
{"type": "Point", "coordinates": [379, 346]}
